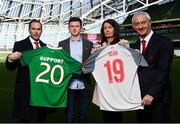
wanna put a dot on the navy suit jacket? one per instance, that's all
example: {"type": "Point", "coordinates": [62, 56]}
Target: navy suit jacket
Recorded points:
{"type": "Point", "coordinates": [154, 80]}
{"type": "Point", "coordinates": [86, 52]}
{"type": "Point", "coordinates": [22, 109]}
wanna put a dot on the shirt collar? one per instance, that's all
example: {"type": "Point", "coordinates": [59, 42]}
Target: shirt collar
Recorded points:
{"type": "Point", "coordinates": [32, 40]}
{"type": "Point", "coordinates": [78, 39]}
{"type": "Point", "coordinates": [147, 38]}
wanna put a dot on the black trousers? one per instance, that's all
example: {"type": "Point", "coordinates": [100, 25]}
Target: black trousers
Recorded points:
{"type": "Point", "coordinates": [112, 117]}
{"type": "Point", "coordinates": [158, 113]}
{"type": "Point", "coordinates": [41, 117]}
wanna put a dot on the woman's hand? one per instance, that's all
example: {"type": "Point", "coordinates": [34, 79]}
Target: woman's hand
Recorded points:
{"type": "Point", "coordinates": [96, 46]}
{"type": "Point", "coordinates": [124, 42]}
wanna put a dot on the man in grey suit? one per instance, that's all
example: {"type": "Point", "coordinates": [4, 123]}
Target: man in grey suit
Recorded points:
{"type": "Point", "coordinates": [78, 88]}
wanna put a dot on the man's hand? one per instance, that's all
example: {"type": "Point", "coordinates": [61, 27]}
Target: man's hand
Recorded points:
{"type": "Point", "coordinates": [147, 100]}
{"type": "Point", "coordinates": [14, 56]}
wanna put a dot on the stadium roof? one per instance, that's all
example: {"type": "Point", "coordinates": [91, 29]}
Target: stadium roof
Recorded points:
{"type": "Point", "coordinates": [58, 12]}
{"type": "Point", "coordinates": [166, 12]}
{"type": "Point", "coordinates": [54, 14]}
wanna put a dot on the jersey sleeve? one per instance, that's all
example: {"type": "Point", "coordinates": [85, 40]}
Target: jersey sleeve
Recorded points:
{"type": "Point", "coordinates": [138, 57]}
{"type": "Point", "coordinates": [88, 65]}
{"type": "Point", "coordinates": [26, 57]}
{"type": "Point", "coordinates": [75, 66]}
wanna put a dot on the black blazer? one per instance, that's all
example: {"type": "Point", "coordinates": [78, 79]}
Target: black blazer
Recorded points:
{"type": "Point", "coordinates": [87, 46]}
{"type": "Point", "coordinates": [22, 109]}
{"type": "Point", "coordinates": [154, 80]}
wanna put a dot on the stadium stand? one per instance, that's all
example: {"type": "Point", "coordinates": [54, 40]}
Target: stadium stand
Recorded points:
{"type": "Point", "coordinates": [165, 20]}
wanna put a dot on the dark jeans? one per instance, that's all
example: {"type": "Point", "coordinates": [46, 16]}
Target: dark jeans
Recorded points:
{"type": "Point", "coordinates": [112, 117]}
{"type": "Point", "coordinates": [78, 101]}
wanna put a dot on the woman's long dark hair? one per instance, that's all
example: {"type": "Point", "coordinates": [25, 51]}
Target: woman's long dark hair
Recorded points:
{"type": "Point", "coordinates": [115, 25]}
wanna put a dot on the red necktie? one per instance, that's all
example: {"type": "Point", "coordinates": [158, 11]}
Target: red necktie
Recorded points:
{"type": "Point", "coordinates": [37, 44]}
{"type": "Point", "coordinates": [143, 46]}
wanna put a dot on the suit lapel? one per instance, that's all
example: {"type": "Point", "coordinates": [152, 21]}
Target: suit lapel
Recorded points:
{"type": "Point", "coordinates": [67, 45]}
{"type": "Point", "coordinates": [151, 42]}
{"type": "Point", "coordinates": [84, 50]}
{"type": "Point", "coordinates": [41, 43]}
{"type": "Point", "coordinates": [28, 44]}
{"type": "Point", "coordinates": [138, 44]}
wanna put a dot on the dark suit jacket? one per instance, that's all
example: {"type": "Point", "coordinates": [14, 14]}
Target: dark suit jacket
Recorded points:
{"type": "Point", "coordinates": [154, 80]}
{"type": "Point", "coordinates": [87, 46]}
{"type": "Point", "coordinates": [22, 110]}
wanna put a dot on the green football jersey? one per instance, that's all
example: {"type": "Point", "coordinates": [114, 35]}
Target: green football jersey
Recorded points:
{"type": "Point", "coordinates": [50, 71]}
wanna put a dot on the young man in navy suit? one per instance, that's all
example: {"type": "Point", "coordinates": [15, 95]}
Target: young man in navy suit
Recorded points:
{"type": "Point", "coordinates": [23, 112]}
{"type": "Point", "coordinates": [154, 80]}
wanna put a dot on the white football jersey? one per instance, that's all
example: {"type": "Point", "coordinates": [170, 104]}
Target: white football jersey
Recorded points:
{"type": "Point", "coordinates": [115, 70]}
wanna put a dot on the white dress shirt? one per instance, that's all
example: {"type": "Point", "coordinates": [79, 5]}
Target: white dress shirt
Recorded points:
{"type": "Point", "coordinates": [147, 38]}
{"type": "Point", "coordinates": [76, 49]}
{"type": "Point", "coordinates": [33, 44]}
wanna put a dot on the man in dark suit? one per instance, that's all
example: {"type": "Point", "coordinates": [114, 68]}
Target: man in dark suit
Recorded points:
{"type": "Point", "coordinates": [78, 89]}
{"type": "Point", "coordinates": [154, 80]}
{"type": "Point", "coordinates": [23, 112]}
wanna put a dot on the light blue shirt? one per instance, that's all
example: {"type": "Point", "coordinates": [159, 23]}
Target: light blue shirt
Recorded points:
{"type": "Point", "coordinates": [76, 49]}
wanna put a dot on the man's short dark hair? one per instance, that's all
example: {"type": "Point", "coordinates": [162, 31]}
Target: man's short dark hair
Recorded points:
{"type": "Point", "coordinates": [34, 20]}
{"type": "Point", "coordinates": [73, 19]}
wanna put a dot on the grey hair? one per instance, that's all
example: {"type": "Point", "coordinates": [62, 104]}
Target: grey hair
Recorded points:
{"type": "Point", "coordinates": [141, 13]}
